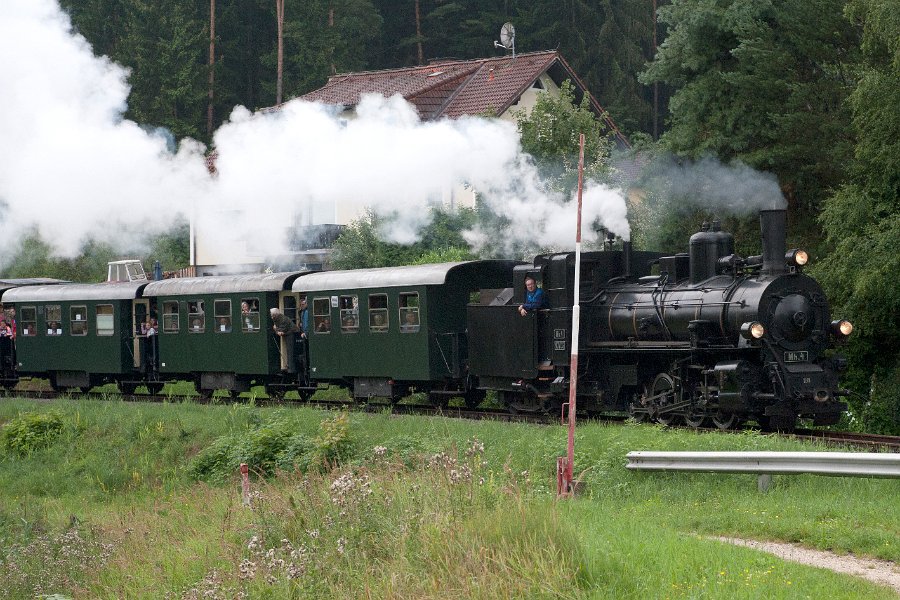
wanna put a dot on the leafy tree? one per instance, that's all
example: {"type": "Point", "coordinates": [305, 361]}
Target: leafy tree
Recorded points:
{"type": "Point", "coordinates": [164, 43]}
{"type": "Point", "coordinates": [323, 37]}
{"type": "Point", "coordinates": [862, 223]}
{"type": "Point", "coordinates": [101, 22]}
{"type": "Point", "coordinates": [170, 248]}
{"type": "Point", "coordinates": [551, 133]}
{"type": "Point", "coordinates": [764, 82]}
{"type": "Point", "coordinates": [361, 244]}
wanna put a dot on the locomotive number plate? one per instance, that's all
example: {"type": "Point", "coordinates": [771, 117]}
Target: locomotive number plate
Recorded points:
{"type": "Point", "coordinates": [796, 356]}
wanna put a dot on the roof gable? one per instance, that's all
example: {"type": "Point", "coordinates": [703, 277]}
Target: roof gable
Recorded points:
{"type": "Point", "coordinates": [454, 88]}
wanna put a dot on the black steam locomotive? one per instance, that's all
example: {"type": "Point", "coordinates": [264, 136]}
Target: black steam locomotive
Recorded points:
{"type": "Point", "coordinates": [706, 335]}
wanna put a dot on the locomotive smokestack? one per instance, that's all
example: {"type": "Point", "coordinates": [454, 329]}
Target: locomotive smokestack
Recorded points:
{"type": "Point", "coordinates": [626, 259]}
{"type": "Point", "coordinates": [772, 224]}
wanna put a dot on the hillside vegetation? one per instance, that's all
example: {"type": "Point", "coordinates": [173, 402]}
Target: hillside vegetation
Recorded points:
{"type": "Point", "coordinates": [114, 500]}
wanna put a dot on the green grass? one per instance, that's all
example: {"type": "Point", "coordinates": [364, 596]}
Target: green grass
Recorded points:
{"type": "Point", "coordinates": [418, 509]}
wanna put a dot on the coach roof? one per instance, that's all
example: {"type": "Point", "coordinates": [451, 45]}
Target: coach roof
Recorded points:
{"type": "Point", "coordinates": [222, 284]}
{"type": "Point", "coordinates": [435, 274]}
{"type": "Point", "coordinates": [74, 292]}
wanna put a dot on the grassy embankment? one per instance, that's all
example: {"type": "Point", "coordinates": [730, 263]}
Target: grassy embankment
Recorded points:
{"type": "Point", "coordinates": [113, 500]}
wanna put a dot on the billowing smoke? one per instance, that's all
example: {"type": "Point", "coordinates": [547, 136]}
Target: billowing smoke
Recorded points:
{"type": "Point", "coordinates": [708, 184]}
{"type": "Point", "coordinates": [72, 166]}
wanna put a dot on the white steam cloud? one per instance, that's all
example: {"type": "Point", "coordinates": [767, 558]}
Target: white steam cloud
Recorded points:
{"type": "Point", "coordinates": [728, 189]}
{"type": "Point", "coordinates": [71, 166]}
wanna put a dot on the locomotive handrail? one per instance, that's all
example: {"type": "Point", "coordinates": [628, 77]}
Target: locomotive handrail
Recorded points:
{"type": "Point", "coordinates": [765, 464]}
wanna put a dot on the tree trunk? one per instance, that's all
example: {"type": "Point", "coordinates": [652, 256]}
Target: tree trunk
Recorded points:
{"type": "Point", "coordinates": [419, 35]}
{"type": "Point", "coordinates": [279, 10]}
{"type": "Point", "coordinates": [212, 63]}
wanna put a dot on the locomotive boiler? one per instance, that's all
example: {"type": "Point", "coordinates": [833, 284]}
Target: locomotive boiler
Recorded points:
{"type": "Point", "coordinates": [704, 335]}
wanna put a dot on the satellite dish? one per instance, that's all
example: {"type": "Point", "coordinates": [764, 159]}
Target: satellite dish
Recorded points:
{"type": "Point", "coordinates": [508, 35]}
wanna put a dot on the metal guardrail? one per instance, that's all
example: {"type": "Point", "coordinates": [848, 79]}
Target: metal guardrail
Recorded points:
{"type": "Point", "coordinates": [766, 464]}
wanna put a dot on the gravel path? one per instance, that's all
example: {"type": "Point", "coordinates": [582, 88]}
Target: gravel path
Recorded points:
{"type": "Point", "coordinates": [882, 572]}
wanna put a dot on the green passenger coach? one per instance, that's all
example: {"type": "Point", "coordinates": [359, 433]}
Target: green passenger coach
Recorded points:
{"type": "Point", "coordinates": [218, 330]}
{"type": "Point", "coordinates": [77, 335]}
{"type": "Point", "coordinates": [385, 331]}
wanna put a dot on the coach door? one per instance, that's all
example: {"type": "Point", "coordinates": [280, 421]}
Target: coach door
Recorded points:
{"type": "Point", "coordinates": [289, 304]}
{"type": "Point", "coordinates": [139, 313]}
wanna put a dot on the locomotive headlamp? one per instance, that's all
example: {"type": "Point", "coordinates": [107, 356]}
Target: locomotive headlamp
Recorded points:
{"type": "Point", "coordinates": [796, 257]}
{"type": "Point", "coordinates": [842, 328]}
{"type": "Point", "coordinates": [752, 330]}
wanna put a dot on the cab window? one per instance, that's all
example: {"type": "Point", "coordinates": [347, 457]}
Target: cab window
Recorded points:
{"type": "Point", "coordinates": [78, 320]}
{"type": "Point", "coordinates": [196, 316]}
{"type": "Point", "coordinates": [222, 312]}
{"type": "Point", "coordinates": [378, 313]}
{"type": "Point", "coordinates": [28, 316]}
{"type": "Point", "coordinates": [105, 323]}
{"type": "Point", "coordinates": [53, 315]}
{"type": "Point", "coordinates": [249, 315]}
{"type": "Point", "coordinates": [170, 317]}
{"type": "Point", "coordinates": [322, 315]}
{"type": "Point", "coordinates": [349, 314]}
{"type": "Point", "coordinates": [409, 312]}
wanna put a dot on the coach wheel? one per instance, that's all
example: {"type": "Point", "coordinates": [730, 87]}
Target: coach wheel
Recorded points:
{"type": "Point", "coordinates": [155, 388]}
{"type": "Point", "coordinates": [439, 400]}
{"type": "Point", "coordinates": [663, 394]}
{"type": "Point", "coordinates": [725, 420]}
{"type": "Point", "coordinates": [128, 389]}
{"type": "Point", "coordinates": [473, 398]}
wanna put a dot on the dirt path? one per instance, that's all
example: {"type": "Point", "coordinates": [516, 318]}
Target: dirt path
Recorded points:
{"type": "Point", "coordinates": [882, 572]}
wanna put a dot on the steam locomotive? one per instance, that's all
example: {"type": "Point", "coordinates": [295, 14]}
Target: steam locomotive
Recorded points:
{"type": "Point", "coordinates": [705, 335]}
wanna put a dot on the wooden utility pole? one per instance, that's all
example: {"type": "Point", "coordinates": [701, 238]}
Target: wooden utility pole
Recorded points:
{"type": "Point", "coordinates": [279, 14]}
{"type": "Point", "coordinates": [212, 64]}
{"type": "Point", "coordinates": [419, 35]}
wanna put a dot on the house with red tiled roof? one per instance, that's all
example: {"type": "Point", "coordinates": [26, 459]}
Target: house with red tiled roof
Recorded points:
{"type": "Point", "coordinates": [498, 86]}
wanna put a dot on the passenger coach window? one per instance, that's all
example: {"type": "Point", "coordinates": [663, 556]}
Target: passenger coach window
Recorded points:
{"type": "Point", "coordinates": [170, 317]}
{"type": "Point", "coordinates": [29, 320]}
{"type": "Point", "coordinates": [322, 315]}
{"type": "Point", "coordinates": [53, 313]}
{"type": "Point", "coordinates": [409, 312]}
{"type": "Point", "coordinates": [105, 324]}
{"type": "Point", "coordinates": [249, 314]}
{"type": "Point", "coordinates": [78, 317]}
{"type": "Point", "coordinates": [349, 314]}
{"type": "Point", "coordinates": [378, 313]}
{"type": "Point", "coordinates": [196, 316]}
{"type": "Point", "coordinates": [222, 310]}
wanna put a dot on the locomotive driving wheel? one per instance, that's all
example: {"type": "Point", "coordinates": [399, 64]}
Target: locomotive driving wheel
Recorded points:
{"type": "Point", "coordinates": [636, 410]}
{"type": "Point", "coordinates": [694, 416]}
{"type": "Point", "coordinates": [725, 420]}
{"type": "Point", "coordinates": [663, 394]}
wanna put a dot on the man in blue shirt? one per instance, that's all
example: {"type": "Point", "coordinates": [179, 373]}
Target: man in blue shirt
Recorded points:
{"type": "Point", "coordinates": [534, 297]}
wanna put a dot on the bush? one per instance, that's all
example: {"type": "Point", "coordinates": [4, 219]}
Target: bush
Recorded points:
{"type": "Point", "coordinates": [275, 445]}
{"type": "Point", "coordinates": [31, 431]}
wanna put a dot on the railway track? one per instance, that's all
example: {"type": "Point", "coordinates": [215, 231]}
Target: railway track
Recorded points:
{"type": "Point", "coordinates": [872, 442]}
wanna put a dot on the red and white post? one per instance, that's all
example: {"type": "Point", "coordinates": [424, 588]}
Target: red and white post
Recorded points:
{"type": "Point", "coordinates": [565, 484]}
{"type": "Point", "coordinates": [245, 484]}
